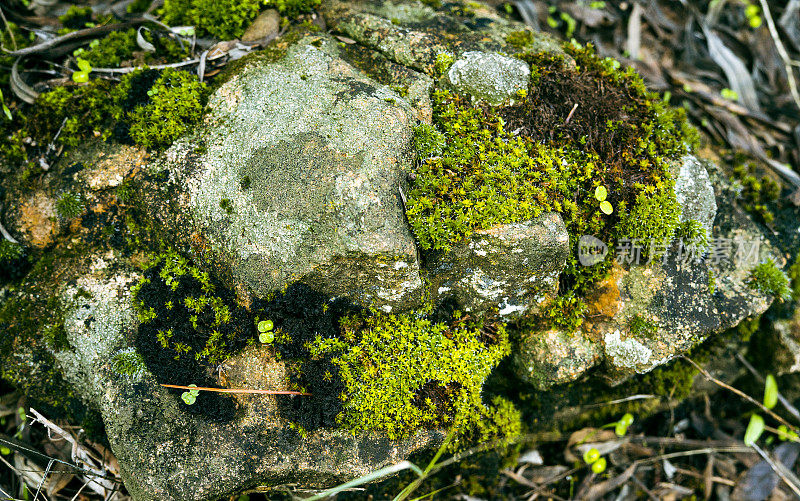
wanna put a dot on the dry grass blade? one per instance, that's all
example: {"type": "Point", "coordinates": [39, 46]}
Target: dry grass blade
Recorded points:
{"type": "Point", "coordinates": [735, 70]}
{"type": "Point", "coordinates": [18, 85]}
{"type": "Point", "coordinates": [787, 62]}
{"type": "Point", "coordinates": [52, 49]}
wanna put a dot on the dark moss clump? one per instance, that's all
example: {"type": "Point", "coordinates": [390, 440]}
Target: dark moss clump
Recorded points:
{"type": "Point", "coordinates": [112, 50]}
{"type": "Point", "coordinates": [14, 262]}
{"type": "Point", "coordinates": [69, 205]}
{"type": "Point", "coordinates": [76, 17]}
{"type": "Point", "coordinates": [190, 324]}
{"type": "Point", "coordinates": [436, 382]}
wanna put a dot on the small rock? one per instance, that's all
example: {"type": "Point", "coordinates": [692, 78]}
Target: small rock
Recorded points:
{"type": "Point", "coordinates": [695, 193]}
{"type": "Point", "coordinates": [489, 76]}
{"type": "Point", "coordinates": [553, 357]}
{"type": "Point", "coordinates": [266, 24]}
{"type": "Point", "coordinates": [511, 266]}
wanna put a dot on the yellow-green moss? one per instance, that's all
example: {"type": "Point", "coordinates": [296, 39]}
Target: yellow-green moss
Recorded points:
{"type": "Point", "coordinates": [402, 373]}
{"type": "Point", "coordinates": [227, 19]}
{"type": "Point", "coordinates": [484, 166]}
{"type": "Point", "coordinates": [176, 102]}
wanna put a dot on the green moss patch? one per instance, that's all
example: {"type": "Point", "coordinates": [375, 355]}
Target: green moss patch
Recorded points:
{"type": "Point", "coordinates": [402, 373]}
{"type": "Point", "coordinates": [227, 19]}
{"type": "Point", "coordinates": [579, 128]}
{"type": "Point", "coordinates": [767, 278]}
{"type": "Point", "coordinates": [176, 102]}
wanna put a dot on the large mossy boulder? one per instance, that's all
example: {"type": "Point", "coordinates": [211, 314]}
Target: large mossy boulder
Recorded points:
{"type": "Point", "coordinates": [415, 163]}
{"type": "Point", "coordinates": [300, 177]}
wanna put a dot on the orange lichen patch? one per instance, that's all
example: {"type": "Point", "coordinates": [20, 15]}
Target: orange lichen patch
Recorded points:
{"type": "Point", "coordinates": [38, 220]}
{"type": "Point", "coordinates": [605, 301]}
{"type": "Point", "coordinates": [113, 168]}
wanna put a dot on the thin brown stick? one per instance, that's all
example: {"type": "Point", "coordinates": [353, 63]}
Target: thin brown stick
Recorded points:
{"type": "Point", "coordinates": [740, 393]}
{"type": "Point", "coordinates": [236, 390]}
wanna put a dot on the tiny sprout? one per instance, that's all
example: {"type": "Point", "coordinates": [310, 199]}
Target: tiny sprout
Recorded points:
{"type": "Point", "coordinates": [85, 68]}
{"type": "Point", "coordinates": [84, 65]}
{"type": "Point", "coordinates": [754, 429]}
{"type": "Point", "coordinates": [784, 434]}
{"type": "Point", "coordinates": [190, 396]}
{"type": "Point", "coordinates": [606, 207]}
{"type": "Point", "coordinates": [5, 451]}
{"type": "Point", "coordinates": [770, 392]}
{"type": "Point", "coordinates": [265, 331]}
{"type": "Point", "coordinates": [621, 428]}
{"type": "Point", "coordinates": [729, 94]}
{"type": "Point", "coordinates": [599, 466]}
{"type": "Point", "coordinates": [591, 455]}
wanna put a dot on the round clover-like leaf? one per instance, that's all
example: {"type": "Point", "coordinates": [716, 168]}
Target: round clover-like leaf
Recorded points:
{"type": "Point", "coordinates": [266, 337]}
{"type": "Point", "coordinates": [80, 76]}
{"type": "Point", "coordinates": [606, 207]}
{"type": "Point", "coordinates": [194, 392]}
{"type": "Point", "coordinates": [188, 398]}
{"type": "Point", "coordinates": [600, 193]}
{"type": "Point", "coordinates": [599, 466]}
{"type": "Point", "coordinates": [620, 429]}
{"type": "Point", "coordinates": [84, 65]}
{"type": "Point", "coordinates": [265, 325]}
{"type": "Point", "coordinates": [591, 455]}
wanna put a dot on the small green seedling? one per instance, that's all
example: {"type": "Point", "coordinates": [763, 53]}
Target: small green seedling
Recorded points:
{"type": "Point", "coordinates": [599, 466]}
{"type": "Point", "coordinates": [621, 427]}
{"type": "Point", "coordinates": [729, 94]}
{"type": "Point", "coordinates": [83, 75]}
{"type": "Point", "coordinates": [754, 429]}
{"type": "Point", "coordinates": [784, 434]}
{"type": "Point", "coordinates": [190, 396]}
{"type": "Point", "coordinates": [753, 14]}
{"type": "Point", "coordinates": [770, 392]}
{"type": "Point", "coordinates": [265, 334]}
{"type": "Point", "coordinates": [601, 193]}
{"type": "Point", "coordinates": [591, 455]}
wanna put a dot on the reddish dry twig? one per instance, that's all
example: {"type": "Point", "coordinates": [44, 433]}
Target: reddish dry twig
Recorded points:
{"type": "Point", "coordinates": [235, 390]}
